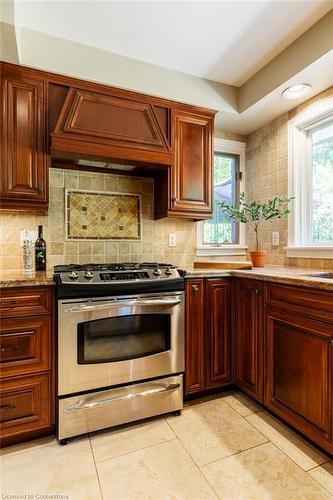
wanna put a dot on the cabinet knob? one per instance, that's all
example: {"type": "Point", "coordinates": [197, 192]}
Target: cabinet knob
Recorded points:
{"type": "Point", "coordinates": [39, 189]}
{"type": "Point", "coordinates": [257, 291]}
{"type": "Point", "coordinates": [9, 348]}
{"type": "Point", "coordinates": [7, 303]}
{"type": "Point", "coordinates": [331, 342]}
{"type": "Point", "coordinates": [174, 199]}
{"type": "Point", "coordinates": [195, 288]}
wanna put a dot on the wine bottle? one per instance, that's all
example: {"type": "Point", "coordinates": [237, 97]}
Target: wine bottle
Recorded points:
{"type": "Point", "coordinates": [40, 251]}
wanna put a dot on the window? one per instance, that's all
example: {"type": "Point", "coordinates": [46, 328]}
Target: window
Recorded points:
{"type": "Point", "coordinates": [221, 235]}
{"type": "Point", "coordinates": [221, 229]}
{"type": "Point", "coordinates": [322, 184]}
{"type": "Point", "coordinates": [311, 183]}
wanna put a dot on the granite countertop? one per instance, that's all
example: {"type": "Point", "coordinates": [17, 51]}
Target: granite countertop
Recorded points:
{"type": "Point", "coordinates": [289, 275]}
{"type": "Point", "coordinates": [11, 279]}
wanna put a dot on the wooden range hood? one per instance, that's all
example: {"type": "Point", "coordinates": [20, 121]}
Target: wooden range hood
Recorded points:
{"type": "Point", "coordinates": [110, 127]}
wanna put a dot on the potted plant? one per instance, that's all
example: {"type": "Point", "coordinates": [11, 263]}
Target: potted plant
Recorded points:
{"type": "Point", "coordinates": [254, 213]}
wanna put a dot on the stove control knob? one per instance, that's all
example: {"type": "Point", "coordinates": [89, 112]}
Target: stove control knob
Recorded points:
{"type": "Point", "coordinates": [157, 271]}
{"type": "Point", "coordinates": [88, 275]}
{"type": "Point", "coordinates": [168, 271]}
{"type": "Point", "coordinates": [73, 275]}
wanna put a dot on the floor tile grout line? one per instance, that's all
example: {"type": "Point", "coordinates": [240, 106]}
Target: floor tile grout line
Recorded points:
{"type": "Point", "coordinates": [321, 485]}
{"type": "Point", "coordinates": [278, 447]}
{"type": "Point", "coordinates": [134, 451]}
{"type": "Point", "coordinates": [234, 454]}
{"type": "Point", "coordinates": [95, 465]}
{"type": "Point", "coordinates": [197, 467]}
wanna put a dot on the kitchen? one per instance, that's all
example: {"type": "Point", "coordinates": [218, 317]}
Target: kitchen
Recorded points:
{"type": "Point", "coordinates": [153, 356]}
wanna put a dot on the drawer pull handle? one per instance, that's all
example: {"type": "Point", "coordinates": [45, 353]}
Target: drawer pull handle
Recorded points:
{"type": "Point", "coordinates": [6, 408]}
{"type": "Point", "coordinates": [86, 405]}
{"type": "Point", "coordinates": [8, 303]}
{"type": "Point", "coordinates": [9, 348]}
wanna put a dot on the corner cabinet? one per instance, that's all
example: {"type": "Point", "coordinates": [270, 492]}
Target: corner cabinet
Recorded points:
{"type": "Point", "coordinates": [24, 180]}
{"type": "Point", "coordinates": [191, 173]}
{"type": "Point", "coordinates": [248, 337]}
{"type": "Point", "coordinates": [208, 335]}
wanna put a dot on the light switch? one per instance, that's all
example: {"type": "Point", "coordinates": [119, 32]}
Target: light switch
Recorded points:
{"type": "Point", "coordinates": [172, 239]}
{"type": "Point", "coordinates": [275, 238]}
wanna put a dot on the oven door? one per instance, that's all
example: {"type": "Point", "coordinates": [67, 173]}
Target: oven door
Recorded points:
{"type": "Point", "coordinates": [119, 340]}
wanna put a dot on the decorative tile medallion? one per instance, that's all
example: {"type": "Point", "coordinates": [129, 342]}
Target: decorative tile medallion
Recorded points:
{"type": "Point", "coordinates": [93, 215]}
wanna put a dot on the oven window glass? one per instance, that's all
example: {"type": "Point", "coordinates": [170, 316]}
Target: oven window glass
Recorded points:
{"type": "Point", "coordinates": [123, 338]}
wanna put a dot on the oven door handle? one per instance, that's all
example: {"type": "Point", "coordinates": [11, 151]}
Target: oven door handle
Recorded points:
{"type": "Point", "coordinates": [86, 405]}
{"type": "Point", "coordinates": [137, 302]}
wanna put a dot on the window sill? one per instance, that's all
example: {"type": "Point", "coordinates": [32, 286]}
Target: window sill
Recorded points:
{"type": "Point", "coordinates": [310, 252]}
{"type": "Point", "coordinates": [231, 250]}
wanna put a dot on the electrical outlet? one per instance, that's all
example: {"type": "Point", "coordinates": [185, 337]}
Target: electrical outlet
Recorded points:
{"type": "Point", "coordinates": [172, 239]}
{"type": "Point", "coordinates": [275, 238]}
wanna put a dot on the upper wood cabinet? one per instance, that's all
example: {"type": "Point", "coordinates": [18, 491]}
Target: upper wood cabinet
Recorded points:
{"type": "Point", "coordinates": [191, 174]}
{"type": "Point", "coordinates": [47, 115]}
{"type": "Point", "coordinates": [24, 179]}
{"type": "Point", "coordinates": [248, 337]}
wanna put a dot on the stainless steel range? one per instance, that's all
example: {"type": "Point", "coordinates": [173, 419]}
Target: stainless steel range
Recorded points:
{"type": "Point", "coordinates": [120, 344]}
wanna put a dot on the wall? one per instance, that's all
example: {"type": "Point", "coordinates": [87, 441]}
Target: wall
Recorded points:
{"type": "Point", "coordinates": [153, 247]}
{"type": "Point", "coordinates": [267, 176]}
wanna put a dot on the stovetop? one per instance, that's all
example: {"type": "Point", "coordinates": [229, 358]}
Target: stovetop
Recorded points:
{"type": "Point", "coordinates": [110, 278]}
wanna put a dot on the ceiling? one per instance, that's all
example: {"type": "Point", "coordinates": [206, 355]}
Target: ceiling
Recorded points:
{"type": "Point", "coordinates": [223, 41]}
{"type": "Point", "coordinates": [229, 55]}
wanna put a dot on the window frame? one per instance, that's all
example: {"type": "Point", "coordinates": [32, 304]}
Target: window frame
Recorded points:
{"type": "Point", "coordinates": [300, 242]}
{"type": "Point", "coordinates": [227, 147]}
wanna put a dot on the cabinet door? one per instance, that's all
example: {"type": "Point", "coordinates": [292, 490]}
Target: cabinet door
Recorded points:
{"type": "Point", "coordinates": [249, 337]}
{"type": "Point", "coordinates": [25, 408]}
{"type": "Point", "coordinates": [218, 351]}
{"type": "Point", "coordinates": [298, 369]}
{"type": "Point", "coordinates": [25, 345]}
{"type": "Point", "coordinates": [24, 162]}
{"type": "Point", "coordinates": [191, 174]}
{"type": "Point", "coordinates": [194, 344]}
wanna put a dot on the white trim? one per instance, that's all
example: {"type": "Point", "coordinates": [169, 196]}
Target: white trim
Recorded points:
{"type": "Point", "coordinates": [310, 252]}
{"type": "Point", "coordinates": [299, 180]}
{"type": "Point", "coordinates": [237, 148]}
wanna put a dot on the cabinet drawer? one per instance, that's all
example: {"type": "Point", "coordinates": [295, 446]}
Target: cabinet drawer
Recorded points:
{"type": "Point", "coordinates": [24, 408]}
{"type": "Point", "coordinates": [29, 301]}
{"type": "Point", "coordinates": [308, 301]}
{"type": "Point", "coordinates": [24, 345]}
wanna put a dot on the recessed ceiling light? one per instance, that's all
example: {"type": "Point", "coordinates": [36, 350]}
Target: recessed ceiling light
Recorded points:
{"type": "Point", "coordinates": [297, 91]}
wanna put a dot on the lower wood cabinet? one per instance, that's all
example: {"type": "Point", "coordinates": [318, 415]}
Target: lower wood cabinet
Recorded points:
{"type": "Point", "coordinates": [26, 364]}
{"type": "Point", "coordinates": [248, 337]}
{"type": "Point", "coordinates": [208, 334]}
{"type": "Point", "coordinates": [25, 409]}
{"type": "Point", "coordinates": [299, 373]}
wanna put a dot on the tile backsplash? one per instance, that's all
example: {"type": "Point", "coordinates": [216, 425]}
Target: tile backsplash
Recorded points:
{"type": "Point", "coordinates": [267, 176]}
{"type": "Point", "coordinates": [153, 245]}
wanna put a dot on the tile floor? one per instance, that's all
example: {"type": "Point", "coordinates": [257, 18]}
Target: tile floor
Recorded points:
{"type": "Point", "coordinates": [223, 447]}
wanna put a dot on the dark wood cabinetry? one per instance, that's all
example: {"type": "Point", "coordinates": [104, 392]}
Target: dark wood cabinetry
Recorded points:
{"type": "Point", "coordinates": [195, 336]}
{"type": "Point", "coordinates": [218, 330]}
{"type": "Point", "coordinates": [191, 173]}
{"type": "Point", "coordinates": [50, 118]}
{"type": "Point", "coordinates": [208, 334]}
{"type": "Point", "coordinates": [26, 364]}
{"type": "Point", "coordinates": [248, 337]}
{"type": "Point", "coordinates": [24, 170]}
{"type": "Point", "coordinates": [298, 373]}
